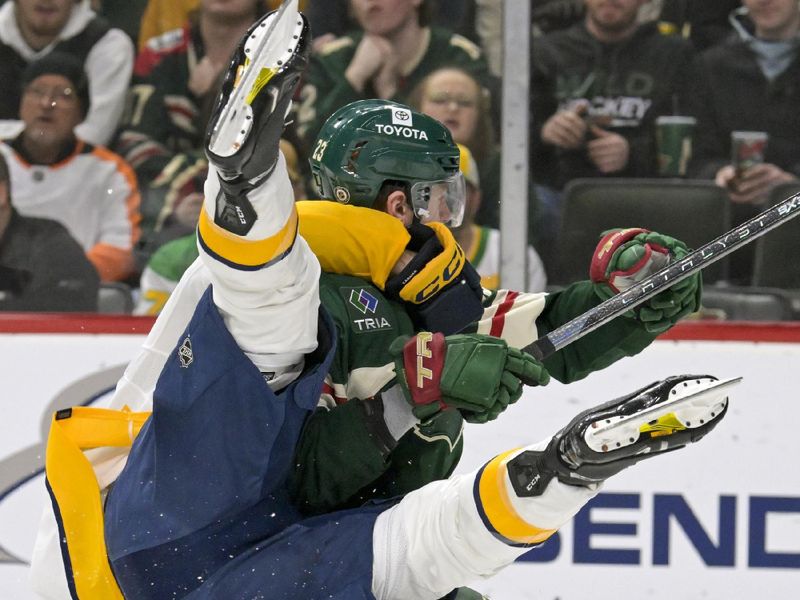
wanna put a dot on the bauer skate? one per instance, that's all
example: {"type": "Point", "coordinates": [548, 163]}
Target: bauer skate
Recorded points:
{"type": "Point", "coordinates": [244, 131]}
{"type": "Point", "coordinates": [602, 441]}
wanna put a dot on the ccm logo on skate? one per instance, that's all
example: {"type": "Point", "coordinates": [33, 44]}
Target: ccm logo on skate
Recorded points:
{"type": "Point", "coordinates": [532, 483]}
{"type": "Point", "coordinates": [240, 214]}
{"type": "Point", "coordinates": [667, 522]}
{"type": "Point", "coordinates": [400, 131]}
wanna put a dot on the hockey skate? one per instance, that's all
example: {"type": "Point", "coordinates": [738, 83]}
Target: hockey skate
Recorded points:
{"type": "Point", "coordinates": [602, 441]}
{"type": "Point", "coordinates": [244, 131]}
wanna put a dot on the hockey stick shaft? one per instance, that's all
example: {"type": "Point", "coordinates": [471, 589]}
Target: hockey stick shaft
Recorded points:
{"type": "Point", "coordinates": [671, 274]}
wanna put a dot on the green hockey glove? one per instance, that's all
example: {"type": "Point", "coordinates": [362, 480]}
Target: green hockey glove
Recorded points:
{"type": "Point", "coordinates": [624, 257]}
{"type": "Point", "coordinates": [478, 374]}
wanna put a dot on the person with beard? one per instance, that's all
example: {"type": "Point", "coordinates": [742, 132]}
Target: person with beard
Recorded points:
{"type": "Point", "coordinates": [597, 89]}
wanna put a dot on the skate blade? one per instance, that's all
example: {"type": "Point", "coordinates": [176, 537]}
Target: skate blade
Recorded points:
{"type": "Point", "coordinates": [236, 119]}
{"type": "Point", "coordinates": [691, 404]}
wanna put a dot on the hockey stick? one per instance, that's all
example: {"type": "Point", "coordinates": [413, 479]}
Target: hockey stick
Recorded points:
{"type": "Point", "coordinates": [671, 274]}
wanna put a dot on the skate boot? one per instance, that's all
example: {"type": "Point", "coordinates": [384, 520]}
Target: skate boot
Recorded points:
{"type": "Point", "coordinates": [602, 441]}
{"type": "Point", "coordinates": [244, 131]}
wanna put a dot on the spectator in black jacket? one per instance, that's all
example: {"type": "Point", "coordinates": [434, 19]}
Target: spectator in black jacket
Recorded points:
{"type": "Point", "coordinates": [596, 91]}
{"type": "Point", "coordinates": [41, 267]}
{"type": "Point", "coordinates": [750, 83]}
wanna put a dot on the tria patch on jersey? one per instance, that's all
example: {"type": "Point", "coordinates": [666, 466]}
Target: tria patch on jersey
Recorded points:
{"type": "Point", "coordinates": [363, 301]}
{"type": "Point", "coordinates": [185, 354]}
{"type": "Point", "coordinates": [369, 324]}
{"type": "Point", "coordinates": [367, 313]}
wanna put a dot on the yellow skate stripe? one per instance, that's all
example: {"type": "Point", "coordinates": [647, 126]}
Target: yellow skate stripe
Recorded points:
{"type": "Point", "coordinates": [498, 509]}
{"type": "Point", "coordinates": [263, 79]}
{"type": "Point", "coordinates": [247, 253]}
{"type": "Point", "coordinates": [664, 425]}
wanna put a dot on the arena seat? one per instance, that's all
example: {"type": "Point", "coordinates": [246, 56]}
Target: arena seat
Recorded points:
{"type": "Point", "coordinates": [774, 265]}
{"type": "Point", "coordinates": [749, 303]}
{"type": "Point", "coordinates": [695, 211]}
{"type": "Point", "coordinates": [114, 298]}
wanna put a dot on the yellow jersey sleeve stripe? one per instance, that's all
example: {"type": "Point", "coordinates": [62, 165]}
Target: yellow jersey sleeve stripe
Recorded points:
{"type": "Point", "coordinates": [75, 493]}
{"type": "Point", "coordinates": [237, 251]}
{"type": "Point", "coordinates": [497, 511]}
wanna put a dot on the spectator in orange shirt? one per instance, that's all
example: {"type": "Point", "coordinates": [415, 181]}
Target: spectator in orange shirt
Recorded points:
{"type": "Point", "coordinates": [56, 175]}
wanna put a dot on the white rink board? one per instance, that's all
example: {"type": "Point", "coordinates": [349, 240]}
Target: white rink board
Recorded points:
{"type": "Point", "coordinates": [642, 544]}
{"type": "Point", "coordinates": [744, 475]}
{"type": "Point", "coordinates": [38, 375]}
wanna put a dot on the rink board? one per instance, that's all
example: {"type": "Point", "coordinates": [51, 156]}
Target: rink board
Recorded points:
{"type": "Point", "coordinates": [720, 520]}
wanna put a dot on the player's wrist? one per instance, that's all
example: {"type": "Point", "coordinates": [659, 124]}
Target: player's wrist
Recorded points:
{"type": "Point", "coordinates": [398, 414]}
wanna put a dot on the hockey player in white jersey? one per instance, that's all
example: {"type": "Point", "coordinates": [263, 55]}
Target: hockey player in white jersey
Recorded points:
{"type": "Point", "coordinates": [200, 510]}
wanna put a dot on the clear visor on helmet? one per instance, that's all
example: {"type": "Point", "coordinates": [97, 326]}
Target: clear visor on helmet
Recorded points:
{"type": "Point", "coordinates": [441, 201]}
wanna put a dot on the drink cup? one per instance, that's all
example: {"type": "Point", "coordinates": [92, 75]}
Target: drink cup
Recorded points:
{"type": "Point", "coordinates": [674, 143]}
{"type": "Point", "coordinates": [747, 149]}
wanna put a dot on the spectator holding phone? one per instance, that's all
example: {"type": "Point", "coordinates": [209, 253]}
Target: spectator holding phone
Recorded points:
{"type": "Point", "coordinates": [596, 90]}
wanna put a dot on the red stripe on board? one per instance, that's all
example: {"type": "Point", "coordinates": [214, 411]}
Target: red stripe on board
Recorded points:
{"type": "Point", "coordinates": [735, 331]}
{"type": "Point", "coordinates": [74, 323]}
{"type": "Point", "coordinates": [499, 318]}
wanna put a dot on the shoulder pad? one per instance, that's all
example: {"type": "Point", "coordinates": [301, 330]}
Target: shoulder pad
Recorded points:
{"type": "Point", "coordinates": [336, 45]}
{"type": "Point", "coordinates": [472, 49]}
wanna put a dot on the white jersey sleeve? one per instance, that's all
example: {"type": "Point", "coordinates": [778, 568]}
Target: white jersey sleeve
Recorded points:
{"type": "Point", "coordinates": [451, 532]}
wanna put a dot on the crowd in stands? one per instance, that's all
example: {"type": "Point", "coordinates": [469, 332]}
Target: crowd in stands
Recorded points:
{"type": "Point", "coordinates": [104, 106]}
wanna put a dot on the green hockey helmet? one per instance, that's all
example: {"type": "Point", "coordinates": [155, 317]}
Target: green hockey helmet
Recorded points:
{"type": "Point", "coordinates": [369, 142]}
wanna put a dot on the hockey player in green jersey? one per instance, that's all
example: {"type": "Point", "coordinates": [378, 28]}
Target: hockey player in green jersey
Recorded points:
{"type": "Point", "coordinates": [365, 442]}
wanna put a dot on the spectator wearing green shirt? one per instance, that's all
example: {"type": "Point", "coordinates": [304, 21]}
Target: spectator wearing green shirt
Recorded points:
{"type": "Point", "coordinates": [394, 50]}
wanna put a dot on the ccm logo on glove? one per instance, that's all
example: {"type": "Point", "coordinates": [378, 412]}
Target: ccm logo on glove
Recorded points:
{"type": "Point", "coordinates": [451, 269]}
